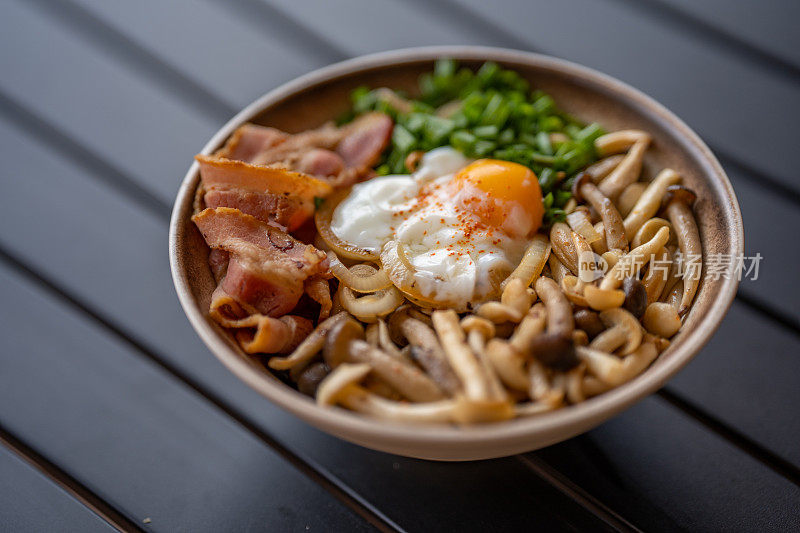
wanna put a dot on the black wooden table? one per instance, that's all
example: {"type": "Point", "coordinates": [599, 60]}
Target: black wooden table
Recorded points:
{"type": "Point", "coordinates": [114, 415]}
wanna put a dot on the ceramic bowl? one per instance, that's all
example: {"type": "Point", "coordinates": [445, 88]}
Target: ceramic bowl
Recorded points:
{"type": "Point", "coordinates": [323, 95]}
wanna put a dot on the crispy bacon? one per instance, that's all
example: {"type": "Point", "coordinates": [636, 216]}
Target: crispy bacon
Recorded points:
{"type": "Point", "coordinates": [267, 267]}
{"type": "Point", "coordinates": [365, 139]}
{"type": "Point", "coordinates": [270, 194]}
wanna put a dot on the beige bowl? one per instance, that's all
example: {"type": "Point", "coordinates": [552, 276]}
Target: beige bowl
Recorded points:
{"type": "Point", "coordinates": [322, 95]}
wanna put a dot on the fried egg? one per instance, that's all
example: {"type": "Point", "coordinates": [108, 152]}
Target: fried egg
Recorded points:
{"type": "Point", "coordinates": [461, 226]}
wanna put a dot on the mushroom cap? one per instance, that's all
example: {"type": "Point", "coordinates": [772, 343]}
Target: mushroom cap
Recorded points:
{"type": "Point", "coordinates": [555, 351]}
{"type": "Point", "coordinates": [337, 381]}
{"type": "Point", "coordinates": [581, 179]}
{"type": "Point", "coordinates": [620, 318]}
{"type": "Point", "coordinates": [475, 323]}
{"type": "Point", "coordinates": [337, 341]}
{"type": "Point", "coordinates": [678, 193]}
{"type": "Point", "coordinates": [635, 296]}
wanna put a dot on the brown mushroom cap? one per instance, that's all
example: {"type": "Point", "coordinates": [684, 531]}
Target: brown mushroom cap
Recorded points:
{"type": "Point", "coordinates": [635, 297]}
{"type": "Point", "coordinates": [555, 351]}
{"type": "Point", "coordinates": [589, 321]}
{"type": "Point", "coordinates": [580, 180]}
{"type": "Point", "coordinates": [678, 193]}
{"type": "Point", "coordinates": [337, 341]}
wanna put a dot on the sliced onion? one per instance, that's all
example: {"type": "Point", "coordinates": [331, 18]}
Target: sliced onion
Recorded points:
{"type": "Point", "coordinates": [360, 278]}
{"type": "Point", "coordinates": [372, 306]}
{"type": "Point", "coordinates": [581, 223]}
{"type": "Point", "coordinates": [532, 262]}
{"type": "Point", "coordinates": [401, 273]}
{"type": "Point", "coordinates": [323, 217]}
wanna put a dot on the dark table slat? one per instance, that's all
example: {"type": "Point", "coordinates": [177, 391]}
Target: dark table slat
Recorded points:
{"type": "Point", "coordinates": [151, 313]}
{"type": "Point", "coordinates": [770, 25]}
{"type": "Point", "coordinates": [137, 438]}
{"type": "Point", "coordinates": [664, 464]}
{"type": "Point", "coordinates": [134, 124]}
{"type": "Point", "coordinates": [623, 42]}
{"type": "Point", "coordinates": [29, 501]}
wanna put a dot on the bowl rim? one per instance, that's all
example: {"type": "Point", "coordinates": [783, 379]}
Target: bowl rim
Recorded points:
{"type": "Point", "coordinates": [347, 422]}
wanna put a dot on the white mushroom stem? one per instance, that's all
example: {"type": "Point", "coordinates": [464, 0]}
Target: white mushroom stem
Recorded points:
{"type": "Point", "coordinates": [540, 388]}
{"type": "Point", "coordinates": [509, 364]}
{"type": "Point", "coordinates": [559, 310]}
{"type": "Point", "coordinates": [649, 202]}
{"type": "Point", "coordinates": [574, 384]}
{"type": "Point", "coordinates": [461, 359]}
{"type": "Point", "coordinates": [630, 264]}
{"type": "Point", "coordinates": [531, 327]}
{"type": "Point", "coordinates": [657, 275]}
{"type": "Point", "coordinates": [409, 380]}
{"type": "Point", "coordinates": [341, 387]}
{"type": "Point", "coordinates": [604, 167]}
{"type": "Point", "coordinates": [623, 330]}
{"type": "Point", "coordinates": [479, 331]}
{"type": "Point", "coordinates": [427, 351]}
{"type": "Point", "coordinates": [614, 371]}
{"type": "Point", "coordinates": [626, 172]}
{"type": "Point", "coordinates": [619, 141]}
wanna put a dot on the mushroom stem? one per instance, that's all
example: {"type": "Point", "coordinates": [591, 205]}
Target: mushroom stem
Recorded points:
{"type": "Point", "coordinates": [462, 360]}
{"type": "Point", "coordinates": [426, 351]}
{"type": "Point", "coordinates": [559, 310]}
{"type": "Point", "coordinates": [649, 201]}
{"type": "Point", "coordinates": [630, 264]}
{"type": "Point", "coordinates": [309, 347]}
{"type": "Point", "coordinates": [679, 212]}
{"type": "Point", "coordinates": [612, 221]}
{"type": "Point", "coordinates": [409, 380]}
{"type": "Point", "coordinates": [614, 371]}
{"type": "Point", "coordinates": [626, 172]}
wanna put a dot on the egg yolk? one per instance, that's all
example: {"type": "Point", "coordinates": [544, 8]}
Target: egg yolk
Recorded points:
{"type": "Point", "coordinates": [502, 194]}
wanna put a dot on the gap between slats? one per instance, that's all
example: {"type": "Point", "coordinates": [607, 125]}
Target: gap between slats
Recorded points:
{"type": "Point", "coordinates": [715, 35]}
{"type": "Point", "coordinates": [68, 483]}
{"type": "Point", "coordinates": [310, 468]}
{"type": "Point", "coordinates": [210, 104]}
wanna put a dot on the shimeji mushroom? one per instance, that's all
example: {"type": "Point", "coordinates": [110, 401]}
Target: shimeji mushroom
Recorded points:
{"type": "Point", "coordinates": [678, 207]}
{"type": "Point", "coordinates": [336, 347]}
{"type": "Point", "coordinates": [614, 371]}
{"type": "Point", "coordinates": [425, 349]}
{"type": "Point", "coordinates": [635, 297]}
{"type": "Point", "coordinates": [406, 378]}
{"type": "Point", "coordinates": [650, 201]}
{"type": "Point", "coordinates": [629, 196]}
{"type": "Point", "coordinates": [601, 299]}
{"type": "Point", "coordinates": [463, 362]}
{"type": "Point", "coordinates": [661, 319]}
{"type": "Point", "coordinates": [508, 363]}
{"type": "Point", "coordinates": [584, 189]}
{"type": "Point", "coordinates": [479, 331]}
{"type": "Point", "coordinates": [628, 170]}
{"type": "Point", "coordinates": [563, 246]}
{"type": "Point", "coordinates": [517, 295]}
{"type": "Point", "coordinates": [630, 264]}
{"type": "Point", "coordinates": [309, 348]}
{"type": "Point", "coordinates": [619, 141]}
{"type": "Point", "coordinates": [604, 167]}
{"type": "Point", "coordinates": [554, 348]}
{"type": "Point", "coordinates": [623, 332]}
{"type": "Point", "coordinates": [656, 277]}
{"type": "Point", "coordinates": [342, 387]}
{"type": "Point", "coordinates": [541, 390]}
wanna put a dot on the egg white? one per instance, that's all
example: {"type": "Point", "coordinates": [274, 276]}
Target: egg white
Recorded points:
{"type": "Point", "coordinates": [421, 213]}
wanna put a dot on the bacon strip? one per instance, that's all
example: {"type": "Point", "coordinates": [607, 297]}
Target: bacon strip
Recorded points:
{"type": "Point", "coordinates": [270, 194]}
{"type": "Point", "coordinates": [267, 267]}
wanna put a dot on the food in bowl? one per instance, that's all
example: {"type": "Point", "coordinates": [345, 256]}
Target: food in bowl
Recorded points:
{"type": "Point", "coordinates": [468, 255]}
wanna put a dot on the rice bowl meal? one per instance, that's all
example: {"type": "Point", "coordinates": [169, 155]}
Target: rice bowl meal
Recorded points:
{"type": "Point", "coordinates": [464, 254]}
